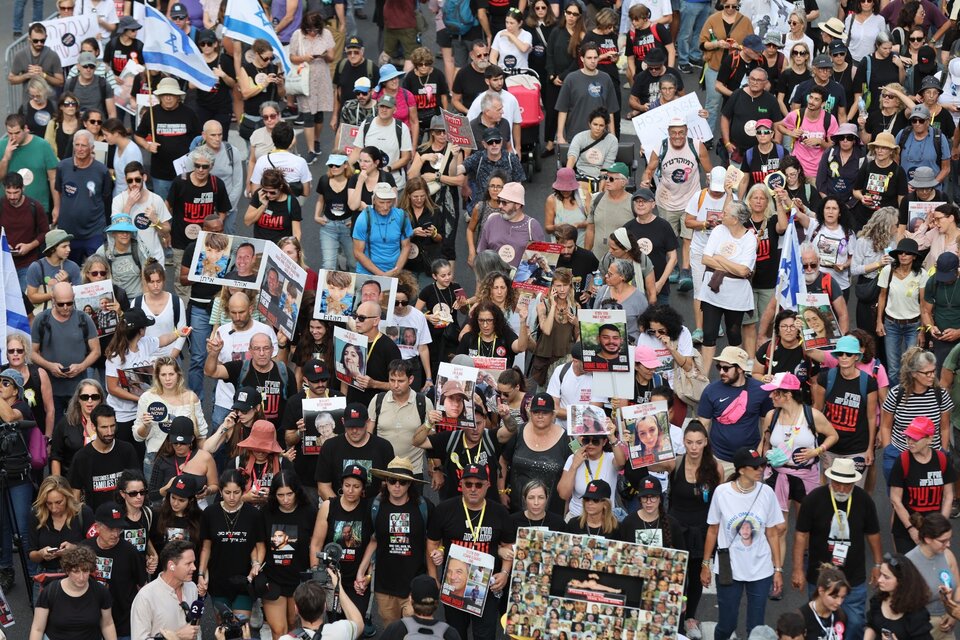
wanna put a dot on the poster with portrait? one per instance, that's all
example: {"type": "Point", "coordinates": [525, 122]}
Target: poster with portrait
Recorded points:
{"type": "Point", "coordinates": [379, 289]}
{"type": "Point", "coordinates": [281, 292]}
{"type": "Point", "coordinates": [96, 300]}
{"type": "Point", "coordinates": [820, 327]}
{"type": "Point", "coordinates": [646, 430]}
{"type": "Point", "coordinates": [321, 416]}
{"type": "Point", "coordinates": [535, 271]}
{"type": "Point", "coordinates": [335, 295]}
{"type": "Point", "coordinates": [453, 395]}
{"type": "Point", "coordinates": [591, 587]}
{"type": "Point", "coordinates": [603, 333]}
{"type": "Point", "coordinates": [830, 249]}
{"type": "Point", "coordinates": [488, 372]}
{"type": "Point", "coordinates": [6, 613]}
{"type": "Point", "coordinates": [405, 338]}
{"type": "Point", "coordinates": [224, 260]}
{"type": "Point", "coordinates": [136, 378]}
{"type": "Point", "coordinates": [586, 420]}
{"type": "Point", "coordinates": [918, 213]}
{"type": "Point", "coordinates": [350, 353]}
{"type": "Point", "coordinates": [466, 579]}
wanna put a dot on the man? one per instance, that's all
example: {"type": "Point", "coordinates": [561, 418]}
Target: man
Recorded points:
{"type": "Point", "coordinates": [50, 269]}
{"type": "Point", "coordinates": [348, 72]}
{"type": "Point", "coordinates": [423, 604]}
{"type": "Point", "coordinates": [157, 607]}
{"type": "Point", "coordinates": [309, 598]}
{"type": "Point", "coordinates": [31, 157]}
{"type": "Point", "coordinates": [25, 221]}
{"type": "Point", "coordinates": [243, 263]}
{"type": "Point", "coordinates": [752, 102]}
{"type": "Point", "coordinates": [583, 91]}
{"type": "Point", "coordinates": [369, 292]}
{"type": "Point", "coordinates": [65, 343]}
{"type": "Point", "coordinates": [737, 63]}
{"type": "Point", "coordinates": [509, 233]}
{"type": "Point", "coordinates": [470, 80]}
{"type": "Point", "coordinates": [395, 415]}
{"type": "Point", "coordinates": [147, 210]}
{"type": "Point", "coordinates": [96, 467]}
{"type": "Point", "coordinates": [935, 310]}
{"type": "Point", "coordinates": [836, 96]}
{"type": "Point", "coordinates": [381, 235]}
{"type": "Point", "coordinates": [86, 197]}
{"type": "Point", "coordinates": [36, 61]}
{"type": "Point", "coordinates": [646, 86]}
{"type": "Point", "coordinates": [355, 446]}
{"type": "Point", "coordinates": [479, 166]}
{"type": "Point", "coordinates": [724, 397]}
{"type": "Point", "coordinates": [124, 254]}
{"type": "Point", "coordinates": [491, 117]}
{"type": "Point", "coordinates": [295, 169]}
{"type": "Point", "coordinates": [180, 16]}
{"type": "Point", "coordinates": [811, 130]}
{"type": "Point", "coordinates": [570, 384]}
{"type": "Point", "coordinates": [274, 380]}
{"type": "Point", "coordinates": [610, 210]}
{"type": "Point", "coordinates": [380, 353]}
{"type": "Point", "coordinates": [474, 522]}
{"type": "Point", "coordinates": [167, 135]}
{"type": "Point", "coordinates": [609, 340]}
{"type": "Point", "coordinates": [92, 91]}
{"type": "Point", "coordinates": [580, 261]}
{"type": "Point", "coordinates": [228, 166]}
{"type": "Point", "coordinates": [361, 107]}
{"type": "Point", "coordinates": [120, 567]}
{"type": "Point", "coordinates": [836, 524]}
{"type": "Point", "coordinates": [493, 76]}
{"type": "Point", "coordinates": [657, 235]}
{"type": "Point", "coordinates": [306, 436]}
{"type": "Point", "coordinates": [124, 48]}
{"type": "Point", "coordinates": [409, 318]}
{"type": "Point", "coordinates": [923, 146]}
{"type": "Point", "coordinates": [389, 135]}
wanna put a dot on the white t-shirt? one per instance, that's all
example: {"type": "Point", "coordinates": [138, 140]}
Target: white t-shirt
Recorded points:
{"type": "Point", "coordinates": [573, 389]}
{"type": "Point", "coordinates": [712, 208]}
{"type": "Point", "coordinates": [157, 435]}
{"type": "Point", "coordinates": [750, 554]}
{"type": "Point", "coordinates": [658, 9]}
{"type": "Point", "coordinates": [417, 321]}
{"type": "Point", "coordinates": [385, 139]}
{"type": "Point", "coordinates": [120, 161]}
{"type": "Point", "coordinates": [236, 345]}
{"type": "Point", "coordinates": [511, 108]}
{"type": "Point", "coordinates": [735, 293]}
{"type": "Point", "coordinates": [684, 346]}
{"type": "Point", "coordinates": [146, 354]}
{"type": "Point", "coordinates": [294, 168]}
{"type": "Point", "coordinates": [104, 9]}
{"type": "Point", "coordinates": [510, 56]}
{"type": "Point", "coordinates": [603, 469]}
{"type": "Point", "coordinates": [903, 296]}
{"type": "Point", "coordinates": [164, 323]}
{"type": "Point", "coordinates": [148, 238]}
{"type": "Point", "coordinates": [833, 247]}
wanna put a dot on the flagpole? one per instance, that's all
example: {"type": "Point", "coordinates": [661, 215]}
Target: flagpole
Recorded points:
{"type": "Point", "coordinates": [773, 337]}
{"type": "Point", "coordinates": [153, 132]}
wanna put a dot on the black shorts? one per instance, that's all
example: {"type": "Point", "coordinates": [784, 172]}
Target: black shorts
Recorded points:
{"type": "Point", "coordinates": [446, 39]}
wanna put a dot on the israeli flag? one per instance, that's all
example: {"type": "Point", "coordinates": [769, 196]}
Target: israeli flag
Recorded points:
{"type": "Point", "coordinates": [790, 283]}
{"type": "Point", "coordinates": [12, 298]}
{"type": "Point", "coordinates": [246, 21]}
{"type": "Point", "coordinates": [168, 49]}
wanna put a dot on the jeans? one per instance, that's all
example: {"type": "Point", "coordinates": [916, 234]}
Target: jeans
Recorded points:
{"type": "Point", "coordinates": [728, 601]}
{"type": "Point", "coordinates": [83, 248]}
{"type": "Point", "coordinates": [693, 15]}
{"type": "Point", "coordinates": [899, 338]}
{"type": "Point", "coordinates": [230, 220]}
{"type": "Point", "coordinates": [198, 318]}
{"type": "Point", "coordinates": [161, 187]}
{"type": "Point", "coordinates": [336, 237]}
{"type": "Point", "coordinates": [890, 455]}
{"type": "Point", "coordinates": [854, 605]}
{"type": "Point", "coordinates": [712, 105]}
{"type": "Point", "coordinates": [22, 277]}
{"type": "Point", "coordinates": [21, 496]}
{"type": "Point", "coordinates": [18, 10]}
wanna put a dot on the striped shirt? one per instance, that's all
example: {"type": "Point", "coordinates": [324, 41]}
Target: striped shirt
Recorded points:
{"type": "Point", "coordinates": [914, 406]}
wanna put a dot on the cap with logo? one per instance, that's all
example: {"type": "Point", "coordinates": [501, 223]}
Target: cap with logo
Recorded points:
{"type": "Point", "coordinates": [920, 111]}
{"type": "Point", "coordinates": [355, 415]}
{"type": "Point", "coordinates": [354, 471]}
{"type": "Point", "coordinates": [316, 370]}
{"type": "Point", "coordinates": [246, 399]}
{"type": "Point", "coordinates": [822, 61]}
{"type": "Point", "coordinates": [475, 471]}
{"type": "Point", "coordinates": [386, 100]}
{"type": "Point", "coordinates": [136, 319]}
{"type": "Point", "coordinates": [650, 486]}
{"type": "Point", "coordinates": [353, 42]}
{"type": "Point", "coordinates": [111, 515]}
{"type": "Point", "coordinates": [745, 457]}
{"type": "Point", "coordinates": [619, 167]}
{"type": "Point", "coordinates": [837, 47]}
{"type": "Point", "coordinates": [181, 431]}
{"type": "Point", "coordinates": [178, 10]}
{"type": "Point", "coordinates": [184, 486]}
{"type": "Point", "coordinates": [542, 402]}
{"type": "Point", "coordinates": [920, 427]}
{"type": "Point", "coordinates": [597, 490]}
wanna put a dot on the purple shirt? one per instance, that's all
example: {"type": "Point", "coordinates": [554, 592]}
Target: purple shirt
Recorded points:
{"type": "Point", "coordinates": [278, 9]}
{"type": "Point", "coordinates": [934, 17]}
{"type": "Point", "coordinates": [509, 239]}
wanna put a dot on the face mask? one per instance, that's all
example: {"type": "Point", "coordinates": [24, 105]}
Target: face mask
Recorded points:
{"type": "Point", "coordinates": [810, 276]}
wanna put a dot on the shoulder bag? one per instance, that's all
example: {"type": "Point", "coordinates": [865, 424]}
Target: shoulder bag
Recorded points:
{"type": "Point", "coordinates": [298, 80]}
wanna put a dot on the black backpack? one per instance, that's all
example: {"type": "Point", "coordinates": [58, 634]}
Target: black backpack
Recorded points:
{"type": "Point", "coordinates": [421, 407]}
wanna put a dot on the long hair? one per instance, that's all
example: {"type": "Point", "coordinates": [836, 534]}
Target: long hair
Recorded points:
{"type": "Point", "coordinates": [912, 593]}
{"type": "Point", "coordinates": [633, 250]}
{"type": "Point", "coordinates": [563, 275]}
{"type": "Point", "coordinates": [192, 513]}
{"type": "Point", "coordinates": [286, 478]}
{"type": "Point", "coordinates": [91, 262]}
{"type": "Point", "coordinates": [74, 415]}
{"type": "Point", "coordinates": [63, 98]}
{"type": "Point", "coordinates": [500, 326]}
{"type": "Point", "coordinates": [292, 240]}
{"type": "Point", "coordinates": [866, 343]}
{"type": "Point", "coordinates": [579, 29]}
{"type": "Point", "coordinates": [413, 492]}
{"type": "Point", "coordinates": [930, 526]}
{"type": "Point", "coordinates": [707, 474]}
{"type": "Point", "coordinates": [167, 361]}
{"type": "Point", "coordinates": [274, 179]}
{"type": "Point", "coordinates": [122, 339]}
{"type": "Point", "coordinates": [879, 228]}
{"type": "Point", "coordinates": [416, 184]}
{"type": "Point", "coordinates": [761, 188]}
{"type": "Point", "coordinates": [61, 486]}
{"type": "Point", "coordinates": [483, 292]}
{"type": "Point", "coordinates": [306, 345]}
{"type": "Point", "coordinates": [531, 20]}
{"type": "Point", "coordinates": [831, 579]}
{"type": "Point", "coordinates": [24, 344]}
{"type": "Point", "coordinates": [913, 359]}
{"type": "Point", "coordinates": [609, 520]}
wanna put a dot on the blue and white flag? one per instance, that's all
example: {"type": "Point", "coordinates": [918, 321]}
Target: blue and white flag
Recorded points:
{"type": "Point", "coordinates": [168, 49]}
{"type": "Point", "coordinates": [790, 283]}
{"type": "Point", "coordinates": [245, 20]}
{"type": "Point", "coordinates": [12, 307]}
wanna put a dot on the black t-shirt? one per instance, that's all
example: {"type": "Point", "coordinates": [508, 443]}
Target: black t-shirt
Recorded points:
{"type": "Point", "coordinates": [288, 544]}
{"type": "Point", "coordinates": [882, 73]}
{"type": "Point", "coordinates": [270, 91]}
{"type": "Point", "coordinates": [66, 441]}
{"type": "Point", "coordinates": [912, 197]}
{"type": "Point", "coordinates": [427, 91]}
{"type": "Point", "coordinates": [334, 202]}
{"type": "Point", "coordinates": [220, 97]}
{"type": "Point", "coordinates": [758, 165]}
{"type": "Point", "coordinates": [469, 83]}
{"type": "Point", "coordinates": [922, 484]}
{"type": "Point", "coordinates": [661, 235]}
{"type": "Point", "coordinates": [305, 464]}
{"type": "Point", "coordinates": [198, 290]}
{"type": "Point", "coordinates": [741, 108]}
{"type": "Point", "coordinates": [485, 453]}
{"type": "Point", "coordinates": [449, 526]}
{"type": "Point", "coordinates": [888, 183]}
{"type": "Point", "coordinates": [352, 530]}
{"type": "Point", "coordinates": [49, 537]}
{"type": "Point", "coordinates": [401, 545]}
{"type": "Point", "coordinates": [574, 526]}
{"type": "Point", "coordinates": [74, 618]}
{"type": "Point", "coordinates": [734, 69]}
{"type": "Point", "coordinates": [790, 361]}
{"type": "Point", "coordinates": [502, 347]}
{"type": "Point", "coordinates": [190, 204]}
{"type": "Point", "coordinates": [788, 81]}
{"type": "Point", "coordinates": [345, 76]}
{"type": "Point", "coordinates": [817, 518]}
{"type": "Point", "coordinates": [944, 122]}
{"type": "Point", "coordinates": [820, 628]}
{"type": "Point", "coordinates": [550, 521]}
{"type": "Point", "coordinates": [337, 453]}
{"type": "Point", "coordinates": [233, 539]}
{"type": "Point", "coordinates": [646, 86]}
{"type": "Point", "coordinates": [139, 530]}
{"type": "Point", "coordinates": [847, 411]}
{"type": "Point", "coordinates": [366, 195]}
{"type": "Point", "coordinates": [269, 385]}
{"type": "Point", "coordinates": [582, 263]}
{"type": "Point", "coordinates": [877, 122]}
{"type": "Point", "coordinates": [634, 529]}
{"type": "Point", "coordinates": [641, 41]}
{"type": "Point", "coordinates": [178, 528]}
{"type": "Point", "coordinates": [175, 130]}
{"type": "Point", "coordinates": [277, 219]}
{"type": "Point", "coordinates": [379, 356]}
{"type": "Point", "coordinates": [96, 474]}
{"type": "Point", "coordinates": [122, 571]}
{"type": "Point", "coordinates": [768, 253]}
{"type": "Point", "coordinates": [496, 13]}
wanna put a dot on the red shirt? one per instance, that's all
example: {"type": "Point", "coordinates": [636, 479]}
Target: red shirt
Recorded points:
{"type": "Point", "coordinates": [25, 223]}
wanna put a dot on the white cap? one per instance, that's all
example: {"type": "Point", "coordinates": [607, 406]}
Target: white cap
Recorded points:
{"type": "Point", "coordinates": [676, 121]}
{"type": "Point", "coordinates": [717, 178]}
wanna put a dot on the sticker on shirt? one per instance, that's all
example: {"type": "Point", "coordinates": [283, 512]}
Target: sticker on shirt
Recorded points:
{"type": "Point", "coordinates": [136, 537]}
{"type": "Point", "coordinates": [70, 189]}
{"type": "Point", "coordinates": [649, 537]}
{"type": "Point", "coordinates": [141, 221]}
{"type": "Point", "coordinates": [104, 570]}
{"type": "Point", "coordinates": [192, 231]}
{"type": "Point", "coordinates": [645, 245]}
{"type": "Point", "coordinates": [507, 252]}
{"type": "Point", "coordinates": [728, 250]}
{"type": "Point", "coordinates": [27, 176]}
{"type": "Point", "coordinates": [595, 90]}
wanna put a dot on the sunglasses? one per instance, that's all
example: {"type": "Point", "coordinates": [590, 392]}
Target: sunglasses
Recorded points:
{"type": "Point", "coordinates": [362, 318]}
{"type": "Point", "coordinates": [68, 7]}
{"type": "Point", "coordinates": [847, 138]}
{"type": "Point", "coordinates": [87, 66]}
{"type": "Point", "coordinates": [912, 39]}
{"type": "Point", "coordinates": [43, 40]}
{"type": "Point", "coordinates": [886, 95]}
{"type": "Point", "coordinates": [92, 121]}
{"type": "Point", "coordinates": [400, 303]}
{"type": "Point", "coordinates": [205, 167]}
{"type": "Point", "coordinates": [87, 397]}
{"type": "Point", "coordinates": [361, 93]}
{"type": "Point", "coordinates": [208, 44]}
{"type": "Point", "coordinates": [471, 485]}
{"type": "Point", "coordinates": [69, 303]}
{"type": "Point", "coordinates": [136, 494]}
{"type": "Point", "coordinates": [764, 132]}
{"type": "Point", "coordinates": [16, 351]}
{"type": "Point", "coordinates": [594, 499]}
{"type": "Point", "coordinates": [495, 141]}
{"type": "Point", "coordinates": [271, 116]}
{"type": "Point", "coordinates": [811, 266]}
{"type": "Point", "coordinates": [6, 384]}
{"type": "Point", "coordinates": [572, 14]}
{"type": "Point", "coordinates": [134, 180]}
{"type": "Point", "coordinates": [917, 120]}
{"type": "Point", "coordinates": [891, 560]}
{"type": "Point", "coordinates": [402, 483]}
{"type": "Point", "coordinates": [802, 54]}
{"type": "Point", "coordinates": [592, 439]}
{"type": "Point", "coordinates": [70, 103]}
{"type": "Point", "coordinates": [723, 368]}
{"type": "Point", "coordinates": [794, 23]}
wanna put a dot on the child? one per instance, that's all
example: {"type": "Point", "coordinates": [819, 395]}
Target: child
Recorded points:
{"type": "Point", "coordinates": [790, 626]}
{"type": "Point", "coordinates": [337, 297]}
{"type": "Point", "coordinates": [214, 257]}
{"type": "Point", "coordinates": [439, 303]}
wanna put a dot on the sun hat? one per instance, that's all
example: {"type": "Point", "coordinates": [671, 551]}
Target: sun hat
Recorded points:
{"type": "Point", "coordinates": [168, 87]}
{"type": "Point", "coordinates": [263, 437]}
{"type": "Point", "coordinates": [53, 239]}
{"type": "Point", "coordinates": [15, 377]}
{"type": "Point", "coordinates": [843, 470]}
{"type": "Point", "coordinates": [566, 180]}
{"type": "Point", "coordinates": [385, 191]}
{"type": "Point", "coordinates": [884, 139]}
{"type": "Point", "coordinates": [513, 192]}
{"type": "Point", "coordinates": [846, 129]}
{"type": "Point", "coordinates": [399, 468]}
{"type": "Point", "coordinates": [924, 178]}
{"type": "Point", "coordinates": [834, 27]}
{"type": "Point", "coordinates": [388, 72]}
{"type": "Point", "coordinates": [733, 355]}
{"type": "Point", "coordinates": [121, 222]}
{"type": "Point", "coordinates": [906, 245]}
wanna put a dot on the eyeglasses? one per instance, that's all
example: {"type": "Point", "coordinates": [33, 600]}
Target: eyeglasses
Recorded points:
{"type": "Point", "coordinates": [402, 483]}
{"type": "Point", "coordinates": [723, 368]}
{"type": "Point", "coordinates": [484, 320]}
{"type": "Point", "coordinates": [471, 485]}
{"type": "Point", "coordinates": [649, 498]}
{"type": "Point", "coordinates": [811, 266]}
{"type": "Point", "coordinates": [204, 167]}
{"type": "Point", "coordinates": [912, 39]}
{"type": "Point", "coordinates": [68, 303]}
{"type": "Point", "coordinates": [927, 373]}
{"type": "Point", "coordinates": [136, 494]}
{"type": "Point", "coordinates": [802, 54]}
{"type": "Point", "coordinates": [592, 439]}
{"type": "Point", "coordinates": [400, 303]}
{"type": "Point", "coordinates": [179, 18]}
{"type": "Point", "coordinates": [362, 318]}
{"type": "Point", "coordinates": [43, 40]}
{"type": "Point", "coordinates": [572, 14]}
{"type": "Point", "coordinates": [99, 273]}
{"type": "Point", "coordinates": [271, 116]}
{"type": "Point", "coordinates": [134, 180]}
{"type": "Point", "coordinates": [87, 397]}
{"type": "Point", "coordinates": [262, 349]}
{"type": "Point", "coordinates": [15, 351]}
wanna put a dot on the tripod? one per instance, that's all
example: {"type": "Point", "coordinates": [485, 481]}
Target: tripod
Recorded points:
{"type": "Point", "coordinates": [7, 431]}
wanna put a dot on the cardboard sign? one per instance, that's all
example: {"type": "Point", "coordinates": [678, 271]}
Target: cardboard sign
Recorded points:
{"type": "Point", "coordinates": [459, 131]}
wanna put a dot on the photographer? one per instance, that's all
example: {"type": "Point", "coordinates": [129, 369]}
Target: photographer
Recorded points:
{"type": "Point", "coordinates": [310, 599]}
{"type": "Point", "coordinates": [157, 606]}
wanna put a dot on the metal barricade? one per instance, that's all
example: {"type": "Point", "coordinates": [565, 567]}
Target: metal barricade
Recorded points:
{"type": "Point", "coordinates": [15, 91]}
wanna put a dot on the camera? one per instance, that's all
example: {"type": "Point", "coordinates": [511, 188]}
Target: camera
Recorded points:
{"type": "Point", "coordinates": [330, 558]}
{"type": "Point", "coordinates": [232, 623]}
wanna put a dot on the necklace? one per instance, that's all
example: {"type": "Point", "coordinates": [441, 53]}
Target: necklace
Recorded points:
{"type": "Point", "coordinates": [530, 523]}
{"type": "Point", "coordinates": [740, 488]}
{"type": "Point", "coordinates": [231, 522]}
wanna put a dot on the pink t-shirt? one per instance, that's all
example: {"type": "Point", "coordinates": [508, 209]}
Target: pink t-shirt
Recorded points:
{"type": "Point", "coordinates": [808, 156]}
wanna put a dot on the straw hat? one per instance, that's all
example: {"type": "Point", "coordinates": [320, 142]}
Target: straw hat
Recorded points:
{"type": "Point", "coordinates": [398, 469]}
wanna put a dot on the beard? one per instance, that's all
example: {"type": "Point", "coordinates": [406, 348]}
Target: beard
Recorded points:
{"type": "Point", "coordinates": [810, 277]}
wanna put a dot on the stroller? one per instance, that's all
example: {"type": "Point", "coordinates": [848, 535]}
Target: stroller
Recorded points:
{"type": "Point", "coordinates": [524, 85]}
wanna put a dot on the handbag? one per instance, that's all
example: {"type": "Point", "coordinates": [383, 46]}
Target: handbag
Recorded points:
{"type": "Point", "coordinates": [868, 290]}
{"type": "Point", "coordinates": [689, 385]}
{"type": "Point", "coordinates": [434, 185]}
{"type": "Point", "coordinates": [298, 80]}
{"type": "Point", "coordinates": [37, 446]}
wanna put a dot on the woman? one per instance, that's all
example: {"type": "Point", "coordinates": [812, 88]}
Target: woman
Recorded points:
{"type": "Point", "coordinates": [406, 110]}
{"type": "Point", "coordinates": [538, 452]}
{"type": "Point", "coordinates": [60, 130]}
{"type": "Point", "coordinates": [589, 152]}
{"type": "Point", "coordinates": [540, 23]}
{"type": "Point", "coordinates": [289, 518]}
{"type": "Point", "coordinates": [937, 566]}
{"type": "Point", "coordinates": [430, 85]}
{"type": "Point", "coordinates": [37, 388]}
{"type": "Point", "coordinates": [870, 254]}
{"type": "Point", "coordinates": [559, 328]}
{"type": "Point", "coordinates": [312, 45]}
{"type": "Point", "coordinates": [234, 544]}
{"type": "Point", "coordinates": [619, 290]}
{"type": "Point", "coordinates": [178, 516]}
{"type": "Point", "coordinates": [96, 268]}
{"type": "Point", "coordinates": [261, 140]}
{"type": "Point", "coordinates": [291, 246]}
{"type": "Point", "coordinates": [797, 34]}
{"type": "Point", "coordinates": [351, 361]}
{"type": "Point", "coordinates": [863, 25]}
{"type": "Point", "coordinates": [165, 309]}
{"type": "Point", "coordinates": [511, 46]}
{"type": "Point", "coordinates": [179, 455]}
{"type": "Point", "coordinates": [839, 165]}
{"type": "Point", "coordinates": [797, 69]}
{"type": "Point", "coordinates": [768, 219]}
{"type": "Point", "coordinates": [898, 307]}
{"type": "Point", "coordinates": [422, 213]}
{"type": "Point", "coordinates": [621, 244]}
{"type": "Point", "coordinates": [798, 187]}
{"type": "Point", "coordinates": [345, 519]}
{"type": "Point", "coordinates": [651, 524]}
{"type": "Point", "coordinates": [132, 501]}
{"type": "Point", "coordinates": [76, 606]}
{"type": "Point", "coordinates": [817, 326]}
{"type": "Point", "coordinates": [563, 56]}
{"type": "Point", "coordinates": [170, 390]}
{"type": "Point", "coordinates": [891, 116]}
{"type": "Point", "coordinates": [58, 521]}
{"type": "Point", "coordinates": [718, 35]}
{"type": "Point", "coordinates": [729, 259]}
{"type": "Point", "coordinates": [823, 614]}
{"type": "Point", "coordinates": [597, 518]}
{"type": "Point", "coordinates": [484, 208]}
{"type": "Point", "coordinates": [748, 542]}
{"type": "Point", "coordinates": [92, 120]}
{"type": "Point", "coordinates": [835, 241]}
{"type": "Point", "coordinates": [125, 151]}
{"type": "Point", "coordinates": [260, 459]}
{"type": "Point", "coordinates": [786, 352]}
{"type": "Point", "coordinates": [590, 462]}
{"type": "Point", "coordinates": [260, 79]}
{"type": "Point", "coordinates": [38, 110]}
{"type": "Point", "coordinates": [536, 495]}
{"type": "Point", "coordinates": [217, 104]}
{"type": "Point", "coordinates": [315, 343]}
{"type": "Point", "coordinates": [944, 235]}
{"type": "Point", "coordinates": [488, 334]}
{"type": "Point", "coordinates": [332, 213]}
{"type": "Point", "coordinates": [911, 16]}
{"type": "Point", "coordinates": [899, 608]}
{"type": "Point", "coordinates": [273, 211]}
{"type": "Point", "coordinates": [75, 430]}
{"type": "Point", "coordinates": [696, 476]}
{"type": "Point", "coordinates": [361, 185]}
{"type": "Point", "coordinates": [567, 204]}
{"type": "Point", "coordinates": [917, 394]}
{"type": "Point", "coordinates": [894, 182]}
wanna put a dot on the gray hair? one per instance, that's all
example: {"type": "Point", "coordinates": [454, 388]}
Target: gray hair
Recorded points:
{"type": "Point", "coordinates": [809, 247]}
{"type": "Point", "coordinates": [269, 104]}
{"type": "Point", "coordinates": [741, 211]}
{"type": "Point", "coordinates": [488, 262]}
{"type": "Point", "coordinates": [83, 133]}
{"type": "Point", "coordinates": [882, 38]}
{"type": "Point", "coordinates": [489, 99]}
{"type": "Point", "coordinates": [624, 268]}
{"type": "Point", "coordinates": [201, 153]}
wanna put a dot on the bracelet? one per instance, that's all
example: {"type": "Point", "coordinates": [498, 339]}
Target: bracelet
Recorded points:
{"type": "Point", "coordinates": [778, 569]}
{"type": "Point", "coordinates": [877, 565]}
{"type": "Point", "coordinates": [706, 563]}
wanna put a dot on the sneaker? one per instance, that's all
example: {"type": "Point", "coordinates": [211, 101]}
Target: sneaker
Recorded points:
{"type": "Point", "coordinates": [256, 618]}
{"type": "Point", "coordinates": [311, 157]}
{"type": "Point", "coordinates": [7, 579]}
{"type": "Point", "coordinates": [685, 281]}
{"type": "Point", "coordinates": [674, 276]}
{"type": "Point", "coordinates": [693, 629]}
{"type": "Point", "coordinates": [697, 336]}
{"type": "Point", "coordinates": [288, 114]}
{"type": "Point", "coordinates": [299, 121]}
{"type": "Point", "coordinates": [316, 147]}
{"type": "Point", "coordinates": [721, 332]}
{"type": "Point", "coordinates": [369, 629]}
{"type": "Point", "coordinates": [685, 68]}
{"type": "Point", "coordinates": [696, 63]}
{"type": "Point", "coordinates": [955, 509]}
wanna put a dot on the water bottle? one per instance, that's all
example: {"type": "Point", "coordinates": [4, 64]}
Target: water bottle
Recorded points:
{"type": "Point", "coordinates": [862, 105]}
{"type": "Point", "coordinates": [597, 279]}
{"type": "Point", "coordinates": [713, 36]}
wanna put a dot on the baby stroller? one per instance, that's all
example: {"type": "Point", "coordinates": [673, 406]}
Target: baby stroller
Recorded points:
{"type": "Point", "coordinates": [524, 85]}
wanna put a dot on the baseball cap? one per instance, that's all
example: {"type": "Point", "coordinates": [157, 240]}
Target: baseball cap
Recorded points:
{"type": "Point", "coordinates": [181, 430]}
{"type": "Point", "coordinates": [718, 178]}
{"type": "Point", "coordinates": [424, 589]}
{"type": "Point", "coordinates": [646, 356]}
{"type": "Point", "coordinates": [823, 61]}
{"type": "Point", "coordinates": [386, 100]}
{"type": "Point", "coordinates": [315, 371]}
{"type": "Point", "coordinates": [179, 11]}
{"type": "Point", "coordinates": [492, 133]}
{"type": "Point", "coordinates": [745, 457]}
{"type": "Point", "coordinates": [920, 427]}
{"type": "Point", "coordinates": [355, 415]}
{"type": "Point", "coordinates": [753, 42]}
{"type": "Point", "coordinates": [86, 58]}
{"type": "Point", "coordinates": [246, 399]}
{"type": "Point", "coordinates": [783, 381]}
{"type": "Point", "coordinates": [947, 265]}
{"type": "Point", "coordinates": [542, 402]}
{"type": "Point", "coordinates": [619, 167]}
{"type": "Point", "coordinates": [110, 514]}
{"type": "Point", "coordinates": [353, 42]}
{"type": "Point", "coordinates": [597, 490]}
{"type": "Point", "coordinates": [136, 319]}
{"type": "Point", "coordinates": [650, 486]}
{"type": "Point", "coordinates": [475, 471]}
{"type": "Point", "coordinates": [643, 194]}
{"type": "Point", "coordinates": [354, 471]}
{"type": "Point", "coordinates": [847, 344]}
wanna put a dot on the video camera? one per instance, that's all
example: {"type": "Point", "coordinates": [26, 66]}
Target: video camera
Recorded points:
{"type": "Point", "coordinates": [232, 623]}
{"type": "Point", "coordinates": [329, 558]}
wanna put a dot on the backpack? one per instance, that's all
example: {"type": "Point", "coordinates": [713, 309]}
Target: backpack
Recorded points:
{"type": "Point", "coordinates": [748, 157]}
{"type": "Point", "coordinates": [832, 380]}
{"type": "Point", "coordinates": [458, 18]}
{"type": "Point", "coordinates": [44, 327]}
{"type": "Point", "coordinates": [367, 244]}
{"type": "Point", "coordinates": [71, 86]}
{"type": "Point", "coordinates": [343, 63]}
{"type": "Point", "coordinates": [397, 127]}
{"type": "Point", "coordinates": [936, 144]}
{"type": "Point", "coordinates": [16, 453]}
{"type": "Point", "coordinates": [138, 303]}
{"type": "Point", "coordinates": [663, 151]}
{"type": "Point", "coordinates": [421, 401]}
{"type": "Point", "coordinates": [905, 461]}
{"type": "Point", "coordinates": [281, 367]}
{"type": "Point", "coordinates": [416, 631]}
{"type": "Point", "coordinates": [111, 254]}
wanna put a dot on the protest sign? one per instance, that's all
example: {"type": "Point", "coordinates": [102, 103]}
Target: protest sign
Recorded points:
{"type": "Point", "coordinates": [96, 300]}
{"type": "Point", "coordinates": [379, 289]}
{"type": "Point", "coordinates": [646, 430]}
{"type": "Point", "coordinates": [918, 212]}
{"type": "Point", "coordinates": [346, 137]}
{"type": "Point", "coordinates": [225, 260]}
{"type": "Point", "coordinates": [466, 579]}
{"type": "Point", "coordinates": [405, 338]}
{"type": "Point", "coordinates": [586, 420]}
{"type": "Point", "coordinates": [651, 127]}
{"type": "Point", "coordinates": [820, 327]}
{"type": "Point", "coordinates": [64, 36]}
{"type": "Point", "coordinates": [136, 378]}
{"type": "Point", "coordinates": [488, 371]}
{"type": "Point", "coordinates": [335, 295]}
{"type": "Point", "coordinates": [454, 395]}
{"type": "Point", "coordinates": [281, 291]}
{"type": "Point", "coordinates": [459, 131]}
{"type": "Point", "coordinates": [350, 353]}
{"type": "Point", "coordinates": [321, 416]}
{"type": "Point", "coordinates": [603, 333]}
{"type": "Point", "coordinates": [535, 271]}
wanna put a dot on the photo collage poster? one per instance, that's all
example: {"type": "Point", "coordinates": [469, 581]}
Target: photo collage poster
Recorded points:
{"type": "Point", "coordinates": [340, 294]}
{"type": "Point", "coordinates": [227, 261]}
{"type": "Point", "coordinates": [281, 292]}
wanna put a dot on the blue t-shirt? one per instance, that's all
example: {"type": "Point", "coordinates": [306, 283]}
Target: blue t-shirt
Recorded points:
{"type": "Point", "coordinates": [922, 153]}
{"type": "Point", "coordinates": [385, 235]}
{"type": "Point", "coordinates": [743, 432]}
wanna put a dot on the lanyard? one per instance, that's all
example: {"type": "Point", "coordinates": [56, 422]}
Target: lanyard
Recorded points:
{"type": "Point", "coordinates": [466, 449]}
{"type": "Point", "coordinates": [492, 347]}
{"type": "Point", "coordinates": [185, 461]}
{"type": "Point", "coordinates": [828, 632]}
{"type": "Point", "coordinates": [841, 525]}
{"type": "Point", "coordinates": [372, 345]}
{"type": "Point", "coordinates": [474, 531]}
{"type": "Point", "coordinates": [588, 474]}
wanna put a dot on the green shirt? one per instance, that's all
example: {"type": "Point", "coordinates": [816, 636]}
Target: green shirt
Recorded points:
{"type": "Point", "coordinates": [33, 161]}
{"type": "Point", "coordinates": [945, 299]}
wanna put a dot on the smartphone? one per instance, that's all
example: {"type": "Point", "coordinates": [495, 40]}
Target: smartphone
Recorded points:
{"type": "Point", "coordinates": [53, 549]}
{"type": "Point", "coordinates": [64, 369]}
{"type": "Point", "coordinates": [574, 446]}
{"type": "Point", "coordinates": [460, 293]}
